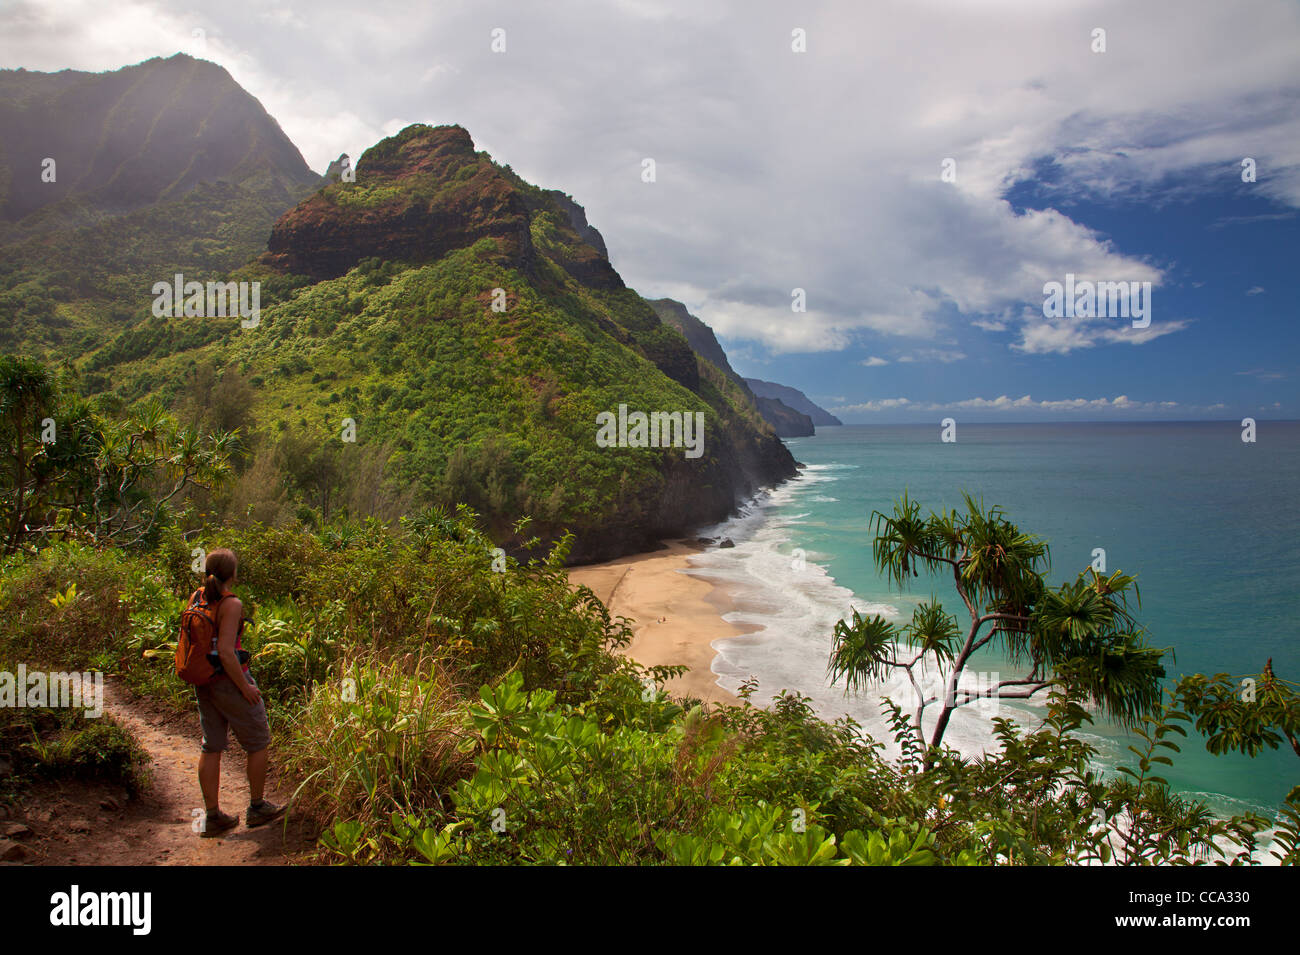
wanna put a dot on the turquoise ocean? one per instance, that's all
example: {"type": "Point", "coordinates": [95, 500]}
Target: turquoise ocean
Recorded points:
{"type": "Point", "coordinates": [1209, 525]}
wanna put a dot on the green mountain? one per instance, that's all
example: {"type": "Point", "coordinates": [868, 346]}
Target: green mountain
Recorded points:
{"type": "Point", "coordinates": [785, 420]}
{"type": "Point", "coordinates": [111, 181]}
{"type": "Point", "coordinates": [469, 328]}
{"type": "Point", "coordinates": [792, 398]}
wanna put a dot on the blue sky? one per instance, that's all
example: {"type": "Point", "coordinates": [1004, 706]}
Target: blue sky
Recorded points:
{"type": "Point", "coordinates": [1230, 257]}
{"type": "Point", "coordinates": [820, 169]}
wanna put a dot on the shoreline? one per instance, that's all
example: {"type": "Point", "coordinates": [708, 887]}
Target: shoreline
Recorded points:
{"type": "Point", "coordinates": [675, 617]}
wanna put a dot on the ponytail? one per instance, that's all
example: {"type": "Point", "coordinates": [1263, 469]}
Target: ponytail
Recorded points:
{"type": "Point", "coordinates": [211, 589]}
{"type": "Point", "coordinates": [219, 569]}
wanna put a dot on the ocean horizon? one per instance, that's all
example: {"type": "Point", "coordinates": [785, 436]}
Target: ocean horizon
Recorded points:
{"type": "Point", "coordinates": [1207, 523]}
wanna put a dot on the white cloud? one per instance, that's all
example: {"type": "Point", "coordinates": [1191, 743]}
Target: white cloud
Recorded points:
{"type": "Point", "coordinates": [1024, 403]}
{"type": "Point", "coordinates": [1062, 336]}
{"type": "Point", "coordinates": [880, 404]}
{"type": "Point", "coordinates": [873, 362]}
{"type": "Point", "coordinates": [1255, 290]}
{"type": "Point", "coordinates": [763, 185]}
{"type": "Point", "coordinates": [931, 354]}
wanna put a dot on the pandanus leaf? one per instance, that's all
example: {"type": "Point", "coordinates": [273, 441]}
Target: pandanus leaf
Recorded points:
{"type": "Point", "coordinates": [933, 630]}
{"type": "Point", "coordinates": [861, 650]}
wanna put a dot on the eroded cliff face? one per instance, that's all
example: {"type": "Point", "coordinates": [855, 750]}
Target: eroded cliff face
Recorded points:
{"type": "Point", "coordinates": [417, 196]}
{"type": "Point", "coordinates": [785, 421]}
{"type": "Point", "coordinates": [587, 259]}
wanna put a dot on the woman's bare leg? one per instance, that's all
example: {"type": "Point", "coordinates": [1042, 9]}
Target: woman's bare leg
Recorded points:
{"type": "Point", "coordinates": [210, 779]}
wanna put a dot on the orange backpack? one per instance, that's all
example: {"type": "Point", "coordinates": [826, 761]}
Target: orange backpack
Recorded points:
{"type": "Point", "coordinates": [198, 638]}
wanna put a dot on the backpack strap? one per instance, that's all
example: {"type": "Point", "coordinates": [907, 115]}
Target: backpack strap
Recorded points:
{"type": "Point", "coordinates": [197, 598]}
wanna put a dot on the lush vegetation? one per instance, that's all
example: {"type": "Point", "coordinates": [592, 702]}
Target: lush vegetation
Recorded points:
{"type": "Point", "coordinates": [418, 375]}
{"type": "Point", "coordinates": [43, 744]}
{"type": "Point", "coordinates": [72, 471]}
{"type": "Point", "coordinates": [52, 625]}
{"type": "Point", "coordinates": [450, 401]}
{"type": "Point", "coordinates": [179, 170]}
{"type": "Point", "coordinates": [438, 702]}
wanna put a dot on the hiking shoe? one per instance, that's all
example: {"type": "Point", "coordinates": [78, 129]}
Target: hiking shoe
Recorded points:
{"type": "Point", "coordinates": [263, 813]}
{"type": "Point", "coordinates": [215, 823]}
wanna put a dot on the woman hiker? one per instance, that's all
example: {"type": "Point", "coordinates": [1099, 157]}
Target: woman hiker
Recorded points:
{"type": "Point", "coordinates": [230, 700]}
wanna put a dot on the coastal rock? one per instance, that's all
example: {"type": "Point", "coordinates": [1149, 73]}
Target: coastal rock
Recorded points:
{"type": "Point", "coordinates": [726, 542]}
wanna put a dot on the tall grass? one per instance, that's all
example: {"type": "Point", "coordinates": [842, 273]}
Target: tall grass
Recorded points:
{"type": "Point", "coordinates": [377, 740]}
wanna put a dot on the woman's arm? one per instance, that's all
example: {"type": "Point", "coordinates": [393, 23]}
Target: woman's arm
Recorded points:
{"type": "Point", "coordinates": [229, 613]}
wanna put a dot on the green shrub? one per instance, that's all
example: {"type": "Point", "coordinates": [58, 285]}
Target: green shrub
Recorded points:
{"type": "Point", "coordinates": [62, 607]}
{"type": "Point", "coordinates": [49, 744]}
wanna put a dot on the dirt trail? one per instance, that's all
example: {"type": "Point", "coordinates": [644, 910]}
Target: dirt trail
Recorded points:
{"type": "Point", "coordinates": [94, 824]}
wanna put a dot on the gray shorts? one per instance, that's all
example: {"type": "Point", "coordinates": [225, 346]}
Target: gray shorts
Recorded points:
{"type": "Point", "coordinates": [223, 708]}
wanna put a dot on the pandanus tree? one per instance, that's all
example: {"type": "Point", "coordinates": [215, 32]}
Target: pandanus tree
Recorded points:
{"type": "Point", "coordinates": [28, 391]}
{"type": "Point", "coordinates": [67, 469]}
{"type": "Point", "coordinates": [144, 463]}
{"type": "Point", "coordinates": [1081, 635]}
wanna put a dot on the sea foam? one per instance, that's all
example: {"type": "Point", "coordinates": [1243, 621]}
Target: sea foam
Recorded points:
{"type": "Point", "coordinates": [793, 604]}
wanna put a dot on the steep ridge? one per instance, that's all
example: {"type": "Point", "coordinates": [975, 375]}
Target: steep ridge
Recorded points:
{"type": "Point", "coordinates": [793, 398]}
{"type": "Point", "coordinates": [163, 167]}
{"type": "Point", "coordinates": [472, 328]}
{"type": "Point", "coordinates": [417, 196]}
{"type": "Point", "coordinates": [133, 137]}
{"type": "Point", "coordinates": [785, 421]}
{"type": "Point", "coordinates": [697, 334]}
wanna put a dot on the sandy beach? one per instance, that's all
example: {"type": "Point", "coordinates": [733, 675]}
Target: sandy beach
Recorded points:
{"type": "Point", "coordinates": [676, 617]}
